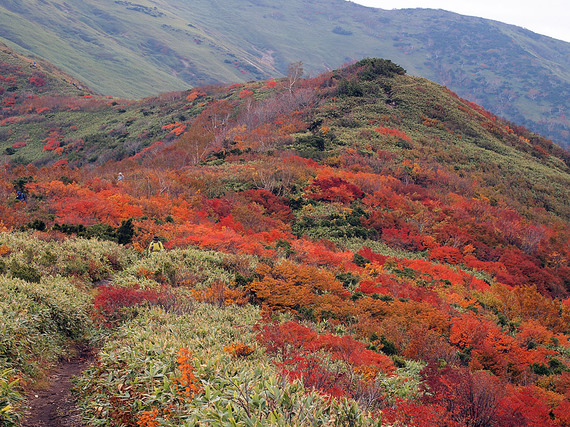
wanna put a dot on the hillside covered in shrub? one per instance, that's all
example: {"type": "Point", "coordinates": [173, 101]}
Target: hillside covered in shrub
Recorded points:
{"type": "Point", "coordinates": [357, 248]}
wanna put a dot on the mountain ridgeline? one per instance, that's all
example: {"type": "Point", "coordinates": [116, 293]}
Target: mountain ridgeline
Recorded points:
{"type": "Point", "coordinates": [50, 119]}
{"type": "Point", "coordinates": [136, 49]}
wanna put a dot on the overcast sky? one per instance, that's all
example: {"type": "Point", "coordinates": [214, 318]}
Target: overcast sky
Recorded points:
{"type": "Point", "coordinates": [547, 17]}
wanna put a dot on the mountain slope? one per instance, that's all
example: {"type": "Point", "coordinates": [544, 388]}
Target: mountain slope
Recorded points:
{"type": "Point", "coordinates": [357, 247]}
{"type": "Point", "coordinates": [138, 49]}
{"type": "Point", "coordinates": [418, 118]}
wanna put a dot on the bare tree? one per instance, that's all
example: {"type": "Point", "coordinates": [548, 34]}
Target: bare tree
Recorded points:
{"type": "Point", "coordinates": [206, 132]}
{"type": "Point", "coordinates": [294, 73]}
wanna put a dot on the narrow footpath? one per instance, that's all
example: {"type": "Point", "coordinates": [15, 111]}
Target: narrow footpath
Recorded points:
{"type": "Point", "coordinates": [55, 406]}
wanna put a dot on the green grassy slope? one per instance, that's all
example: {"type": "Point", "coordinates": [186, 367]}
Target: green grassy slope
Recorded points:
{"type": "Point", "coordinates": [22, 67]}
{"type": "Point", "coordinates": [138, 49]}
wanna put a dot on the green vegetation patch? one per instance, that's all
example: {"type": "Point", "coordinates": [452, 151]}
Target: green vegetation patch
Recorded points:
{"type": "Point", "coordinates": [139, 370]}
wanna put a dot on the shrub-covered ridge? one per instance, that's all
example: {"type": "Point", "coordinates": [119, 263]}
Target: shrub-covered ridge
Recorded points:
{"type": "Point", "coordinates": [365, 237]}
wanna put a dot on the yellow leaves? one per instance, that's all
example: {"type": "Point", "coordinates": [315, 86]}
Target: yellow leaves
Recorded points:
{"type": "Point", "coordinates": [368, 373]}
{"type": "Point", "coordinates": [144, 272]}
{"type": "Point", "coordinates": [555, 259]}
{"type": "Point", "coordinates": [280, 294]}
{"type": "Point", "coordinates": [238, 134]}
{"type": "Point", "coordinates": [373, 269]}
{"type": "Point", "coordinates": [328, 304]}
{"type": "Point", "coordinates": [468, 250]}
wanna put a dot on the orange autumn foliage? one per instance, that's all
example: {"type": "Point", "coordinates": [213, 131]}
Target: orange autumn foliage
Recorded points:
{"type": "Point", "coordinates": [218, 293]}
{"type": "Point", "coordinates": [148, 418]}
{"type": "Point", "coordinates": [291, 286]}
{"type": "Point", "coordinates": [186, 384]}
{"type": "Point", "coordinates": [239, 350]}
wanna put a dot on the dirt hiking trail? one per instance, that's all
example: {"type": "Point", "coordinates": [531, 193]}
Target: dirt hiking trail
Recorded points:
{"type": "Point", "coordinates": [55, 406]}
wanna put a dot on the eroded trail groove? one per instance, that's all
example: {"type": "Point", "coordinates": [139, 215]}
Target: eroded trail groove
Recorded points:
{"type": "Point", "coordinates": [55, 406]}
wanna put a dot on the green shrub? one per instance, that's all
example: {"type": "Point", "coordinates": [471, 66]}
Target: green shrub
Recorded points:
{"type": "Point", "coordinates": [350, 88]}
{"type": "Point", "coordinates": [311, 141]}
{"type": "Point", "coordinates": [388, 347]}
{"type": "Point", "coordinates": [137, 371]}
{"type": "Point", "coordinates": [10, 397]}
{"type": "Point", "coordinates": [19, 183]}
{"type": "Point", "coordinates": [122, 234]}
{"type": "Point", "coordinates": [24, 272]}
{"type": "Point", "coordinates": [37, 321]}
{"type": "Point", "coordinates": [360, 261]}
{"type": "Point", "coordinates": [181, 267]}
{"type": "Point", "coordinates": [374, 67]}
{"type": "Point", "coordinates": [35, 225]}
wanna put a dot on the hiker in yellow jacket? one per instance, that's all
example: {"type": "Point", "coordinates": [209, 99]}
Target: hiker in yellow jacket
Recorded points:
{"type": "Point", "coordinates": [155, 246]}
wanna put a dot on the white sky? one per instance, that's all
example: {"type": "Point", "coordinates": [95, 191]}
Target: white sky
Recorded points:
{"type": "Point", "coordinates": [547, 17]}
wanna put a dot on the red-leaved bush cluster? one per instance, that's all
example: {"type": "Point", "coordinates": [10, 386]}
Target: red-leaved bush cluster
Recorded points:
{"type": "Point", "coordinates": [114, 304]}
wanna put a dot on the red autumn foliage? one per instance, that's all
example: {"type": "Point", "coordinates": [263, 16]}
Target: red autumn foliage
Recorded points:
{"type": "Point", "coordinates": [333, 189]}
{"type": "Point", "coordinates": [152, 149]}
{"type": "Point", "coordinates": [416, 414]}
{"type": "Point", "coordinates": [562, 413]}
{"type": "Point", "coordinates": [368, 287]}
{"type": "Point", "coordinates": [37, 81]}
{"type": "Point", "coordinates": [50, 144]}
{"type": "Point", "coordinates": [524, 270]}
{"type": "Point", "coordinates": [469, 399]}
{"type": "Point", "coordinates": [511, 329]}
{"type": "Point", "coordinates": [403, 238]}
{"type": "Point", "coordinates": [244, 93]}
{"type": "Point", "coordinates": [447, 254]}
{"type": "Point", "coordinates": [111, 302]}
{"type": "Point", "coordinates": [195, 95]}
{"type": "Point", "coordinates": [61, 162]}
{"type": "Point", "coordinates": [563, 384]}
{"type": "Point", "coordinates": [367, 253]}
{"type": "Point", "coordinates": [275, 206]}
{"type": "Point", "coordinates": [175, 128]}
{"type": "Point", "coordinates": [524, 406]}
{"type": "Point", "coordinates": [380, 220]}
{"type": "Point", "coordinates": [393, 132]}
{"type": "Point", "coordinates": [220, 208]}
{"type": "Point", "coordinates": [298, 347]}
{"type": "Point", "coordinates": [9, 101]}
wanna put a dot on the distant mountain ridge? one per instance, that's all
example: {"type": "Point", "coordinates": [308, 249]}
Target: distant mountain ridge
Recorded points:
{"type": "Point", "coordinates": [136, 49]}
